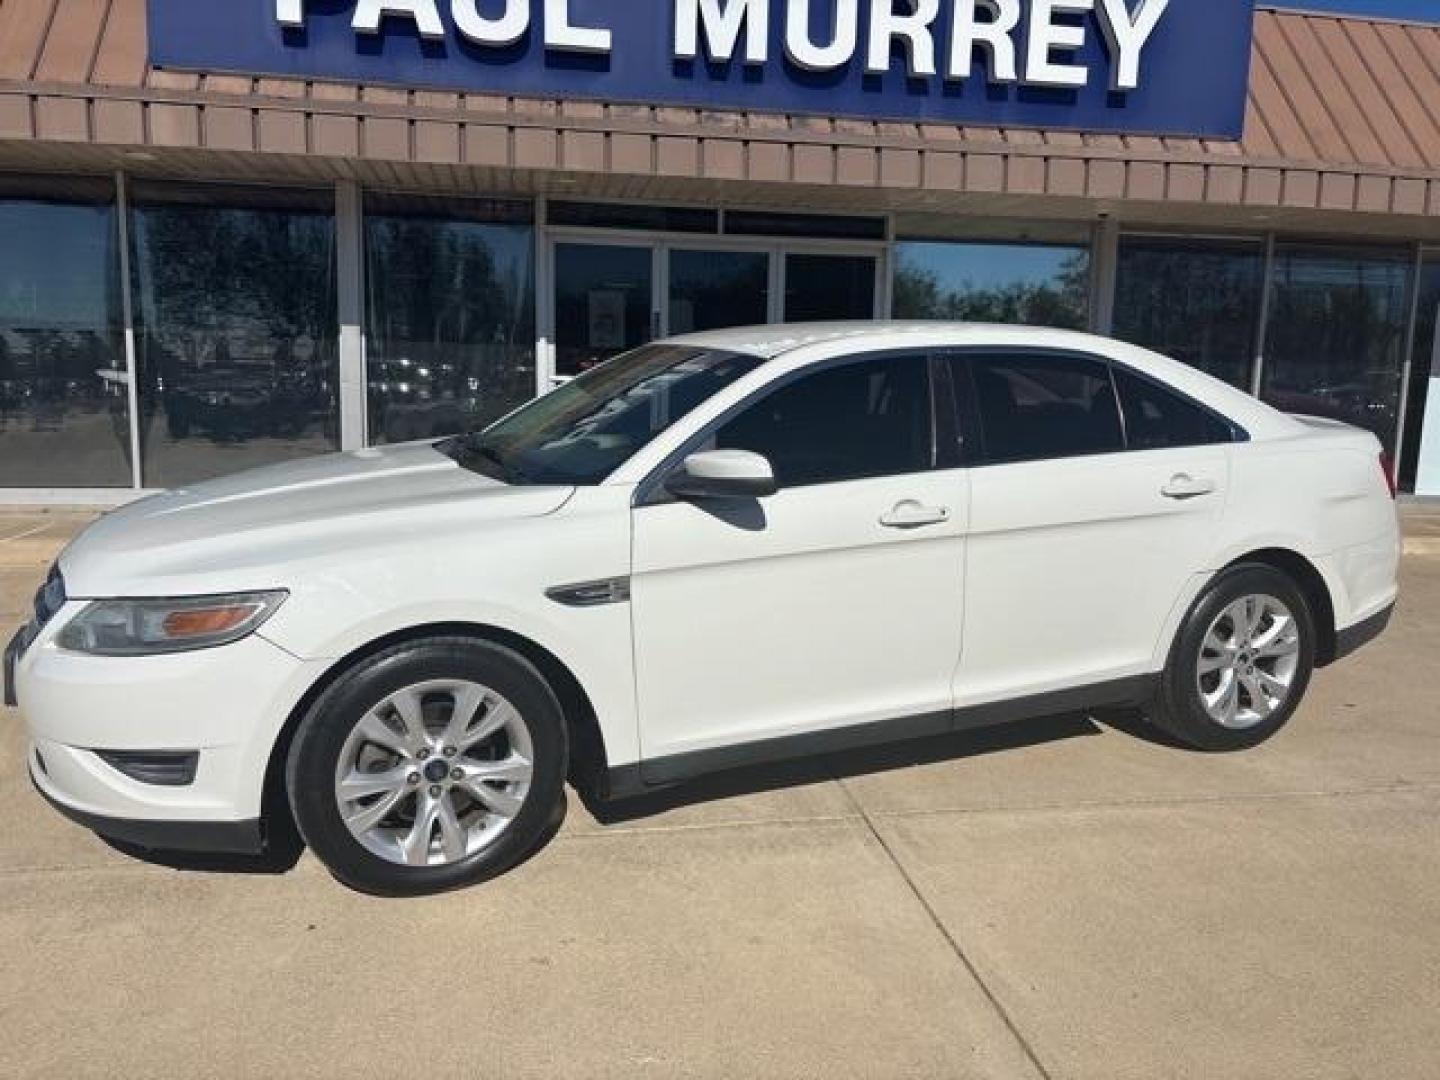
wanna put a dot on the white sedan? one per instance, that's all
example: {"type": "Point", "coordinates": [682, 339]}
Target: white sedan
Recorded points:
{"type": "Point", "coordinates": [716, 550]}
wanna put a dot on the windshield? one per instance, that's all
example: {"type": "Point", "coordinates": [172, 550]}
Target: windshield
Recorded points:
{"type": "Point", "coordinates": [588, 428]}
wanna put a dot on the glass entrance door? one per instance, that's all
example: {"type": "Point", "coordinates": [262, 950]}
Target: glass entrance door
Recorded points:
{"type": "Point", "coordinates": [820, 287]}
{"type": "Point", "coordinates": [610, 296]}
{"type": "Point", "coordinates": [715, 289]}
{"type": "Point", "coordinates": [604, 303]}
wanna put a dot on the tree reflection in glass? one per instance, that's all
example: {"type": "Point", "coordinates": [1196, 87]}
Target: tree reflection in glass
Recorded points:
{"type": "Point", "coordinates": [1196, 301]}
{"type": "Point", "coordinates": [64, 412]}
{"type": "Point", "coordinates": [1336, 335]}
{"type": "Point", "coordinates": [237, 327]}
{"type": "Point", "coordinates": [1026, 284]}
{"type": "Point", "coordinates": [451, 323]}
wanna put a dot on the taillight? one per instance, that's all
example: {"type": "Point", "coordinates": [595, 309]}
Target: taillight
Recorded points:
{"type": "Point", "coordinates": [1387, 466]}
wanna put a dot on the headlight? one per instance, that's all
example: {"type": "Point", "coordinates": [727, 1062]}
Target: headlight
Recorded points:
{"type": "Point", "coordinates": [148, 627]}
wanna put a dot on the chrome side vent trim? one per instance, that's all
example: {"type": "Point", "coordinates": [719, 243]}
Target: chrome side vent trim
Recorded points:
{"type": "Point", "coordinates": [592, 593]}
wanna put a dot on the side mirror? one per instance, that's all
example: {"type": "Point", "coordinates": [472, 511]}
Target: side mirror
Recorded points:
{"type": "Point", "coordinates": [723, 474]}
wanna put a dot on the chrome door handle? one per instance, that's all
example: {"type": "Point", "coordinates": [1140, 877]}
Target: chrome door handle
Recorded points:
{"type": "Point", "coordinates": [913, 515]}
{"type": "Point", "coordinates": [1183, 486]}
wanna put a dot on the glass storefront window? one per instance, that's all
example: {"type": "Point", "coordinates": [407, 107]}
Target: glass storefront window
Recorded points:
{"type": "Point", "coordinates": [236, 322]}
{"type": "Point", "coordinates": [1336, 336]}
{"type": "Point", "coordinates": [1194, 300]}
{"type": "Point", "coordinates": [64, 413]}
{"type": "Point", "coordinates": [1032, 284]}
{"type": "Point", "coordinates": [451, 314]}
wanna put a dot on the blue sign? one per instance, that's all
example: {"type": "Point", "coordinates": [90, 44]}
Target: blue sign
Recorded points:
{"type": "Point", "coordinates": [1162, 67]}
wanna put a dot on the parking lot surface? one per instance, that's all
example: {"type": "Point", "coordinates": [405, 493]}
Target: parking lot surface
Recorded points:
{"type": "Point", "coordinates": [1062, 898]}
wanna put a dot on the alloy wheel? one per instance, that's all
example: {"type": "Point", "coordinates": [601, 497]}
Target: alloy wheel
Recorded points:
{"type": "Point", "coordinates": [1248, 661]}
{"type": "Point", "coordinates": [434, 773]}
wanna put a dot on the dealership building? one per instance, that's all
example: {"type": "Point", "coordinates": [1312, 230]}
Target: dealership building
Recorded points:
{"type": "Point", "coordinates": [239, 233]}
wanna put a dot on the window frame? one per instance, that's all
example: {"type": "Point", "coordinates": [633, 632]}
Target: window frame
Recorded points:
{"type": "Point", "coordinates": [651, 491]}
{"type": "Point", "coordinates": [970, 423]}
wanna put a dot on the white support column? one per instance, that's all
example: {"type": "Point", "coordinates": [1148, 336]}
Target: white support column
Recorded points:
{"type": "Point", "coordinates": [544, 302]}
{"type": "Point", "coordinates": [659, 288]}
{"type": "Point", "coordinates": [350, 256]}
{"type": "Point", "coordinates": [885, 270]}
{"type": "Point", "coordinates": [1407, 366]}
{"type": "Point", "coordinates": [1427, 476]}
{"type": "Point", "coordinates": [1104, 266]}
{"type": "Point", "coordinates": [775, 283]}
{"type": "Point", "coordinates": [1262, 326]}
{"type": "Point", "coordinates": [127, 307]}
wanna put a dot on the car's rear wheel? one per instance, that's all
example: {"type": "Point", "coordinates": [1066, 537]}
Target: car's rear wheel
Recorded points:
{"type": "Point", "coordinates": [433, 765]}
{"type": "Point", "coordinates": [1241, 662]}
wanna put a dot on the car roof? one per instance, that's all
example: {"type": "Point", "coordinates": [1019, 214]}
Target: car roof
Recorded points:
{"type": "Point", "coordinates": [771, 341]}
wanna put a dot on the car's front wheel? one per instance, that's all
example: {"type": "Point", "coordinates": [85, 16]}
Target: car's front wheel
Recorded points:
{"type": "Point", "coordinates": [433, 765]}
{"type": "Point", "coordinates": [1241, 662]}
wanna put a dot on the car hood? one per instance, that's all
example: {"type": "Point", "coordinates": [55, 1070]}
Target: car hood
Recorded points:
{"type": "Point", "coordinates": [246, 531]}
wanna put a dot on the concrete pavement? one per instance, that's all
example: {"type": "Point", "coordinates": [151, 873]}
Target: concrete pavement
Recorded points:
{"type": "Point", "coordinates": [1063, 898]}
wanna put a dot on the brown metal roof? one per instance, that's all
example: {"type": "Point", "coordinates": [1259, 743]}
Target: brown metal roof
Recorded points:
{"type": "Point", "coordinates": [1343, 114]}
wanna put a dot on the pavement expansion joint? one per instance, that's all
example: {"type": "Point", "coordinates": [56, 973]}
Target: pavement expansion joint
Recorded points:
{"type": "Point", "coordinates": [950, 939]}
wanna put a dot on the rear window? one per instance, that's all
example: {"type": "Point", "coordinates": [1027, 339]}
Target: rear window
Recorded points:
{"type": "Point", "coordinates": [1157, 418]}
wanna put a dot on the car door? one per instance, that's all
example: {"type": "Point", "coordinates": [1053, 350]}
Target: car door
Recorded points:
{"type": "Point", "coordinates": [1083, 538]}
{"type": "Point", "coordinates": [835, 602]}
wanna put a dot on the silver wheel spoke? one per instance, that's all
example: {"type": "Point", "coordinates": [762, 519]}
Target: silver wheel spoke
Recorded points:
{"type": "Point", "coordinates": [1214, 643]}
{"type": "Point", "coordinates": [375, 730]}
{"type": "Point", "coordinates": [495, 800]}
{"type": "Point", "coordinates": [468, 699]}
{"type": "Point", "coordinates": [363, 785]}
{"type": "Point", "coordinates": [514, 769]}
{"type": "Point", "coordinates": [1271, 685]}
{"type": "Point", "coordinates": [1211, 664]}
{"type": "Point", "coordinates": [366, 818]}
{"type": "Point", "coordinates": [1255, 615]}
{"type": "Point", "coordinates": [499, 715]}
{"type": "Point", "coordinates": [1260, 702]}
{"type": "Point", "coordinates": [1239, 620]}
{"type": "Point", "coordinates": [452, 833]}
{"type": "Point", "coordinates": [1280, 627]}
{"type": "Point", "coordinates": [1278, 649]}
{"type": "Point", "coordinates": [407, 705]}
{"type": "Point", "coordinates": [1222, 703]}
{"type": "Point", "coordinates": [416, 843]}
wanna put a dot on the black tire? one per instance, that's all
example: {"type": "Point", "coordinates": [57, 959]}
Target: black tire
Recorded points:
{"type": "Point", "coordinates": [1179, 708]}
{"type": "Point", "coordinates": [322, 735]}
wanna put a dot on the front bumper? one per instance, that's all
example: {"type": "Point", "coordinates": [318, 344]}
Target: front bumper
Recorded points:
{"type": "Point", "coordinates": [211, 837]}
{"type": "Point", "coordinates": [228, 705]}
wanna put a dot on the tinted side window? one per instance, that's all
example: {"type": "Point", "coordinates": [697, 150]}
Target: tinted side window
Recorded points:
{"type": "Point", "coordinates": [1032, 406]}
{"type": "Point", "coordinates": [857, 420]}
{"type": "Point", "coordinates": [1156, 418]}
